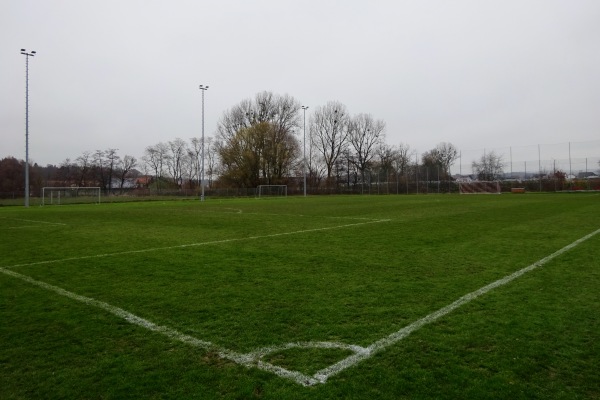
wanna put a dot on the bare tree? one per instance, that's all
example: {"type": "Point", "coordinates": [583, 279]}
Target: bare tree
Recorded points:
{"type": "Point", "coordinates": [490, 167]}
{"type": "Point", "coordinates": [99, 164]}
{"type": "Point", "coordinates": [112, 159]}
{"type": "Point", "coordinates": [154, 157]}
{"type": "Point", "coordinates": [316, 168]}
{"type": "Point", "coordinates": [386, 155]}
{"type": "Point", "coordinates": [177, 149]}
{"type": "Point", "coordinates": [195, 155]}
{"type": "Point", "coordinates": [329, 133]}
{"type": "Point", "coordinates": [210, 164]}
{"type": "Point", "coordinates": [447, 154]}
{"type": "Point", "coordinates": [127, 164]}
{"type": "Point", "coordinates": [84, 163]}
{"type": "Point", "coordinates": [402, 158]}
{"type": "Point", "coordinates": [280, 111]}
{"type": "Point", "coordinates": [442, 157]}
{"type": "Point", "coordinates": [364, 136]}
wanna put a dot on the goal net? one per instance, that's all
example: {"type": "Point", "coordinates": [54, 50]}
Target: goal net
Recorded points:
{"type": "Point", "coordinates": [272, 191]}
{"type": "Point", "coordinates": [479, 187]}
{"type": "Point", "coordinates": [70, 195]}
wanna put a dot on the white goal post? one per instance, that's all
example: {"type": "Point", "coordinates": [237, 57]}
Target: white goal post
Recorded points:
{"type": "Point", "coordinates": [479, 187]}
{"type": "Point", "coordinates": [70, 194]}
{"type": "Point", "coordinates": [272, 191]}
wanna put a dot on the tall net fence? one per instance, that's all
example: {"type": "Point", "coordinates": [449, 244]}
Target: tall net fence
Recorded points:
{"type": "Point", "coordinates": [576, 160]}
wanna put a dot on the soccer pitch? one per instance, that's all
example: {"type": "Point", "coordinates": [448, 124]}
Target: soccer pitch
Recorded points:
{"type": "Point", "coordinates": [318, 297]}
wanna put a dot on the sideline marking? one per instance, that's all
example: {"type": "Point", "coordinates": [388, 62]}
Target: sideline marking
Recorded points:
{"type": "Point", "coordinates": [254, 358]}
{"type": "Point", "coordinates": [181, 246]}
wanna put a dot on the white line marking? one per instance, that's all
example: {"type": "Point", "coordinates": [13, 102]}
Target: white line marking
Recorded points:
{"type": "Point", "coordinates": [254, 359]}
{"type": "Point", "coordinates": [181, 246]}
{"type": "Point", "coordinates": [395, 337]}
{"type": "Point", "coordinates": [20, 227]}
{"type": "Point", "coordinates": [247, 360]}
{"type": "Point", "coordinates": [34, 221]}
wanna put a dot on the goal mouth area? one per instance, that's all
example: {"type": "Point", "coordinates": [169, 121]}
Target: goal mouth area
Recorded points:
{"type": "Point", "coordinates": [61, 195]}
{"type": "Point", "coordinates": [479, 187]}
{"type": "Point", "coordinates": [271, 191]}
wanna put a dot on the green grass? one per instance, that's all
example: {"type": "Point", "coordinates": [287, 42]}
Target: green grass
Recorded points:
{"type": "Point", "coordinates": [263, 273]}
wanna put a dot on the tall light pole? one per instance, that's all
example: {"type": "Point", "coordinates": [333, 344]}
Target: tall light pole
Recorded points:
{"type": "Point", "coordinates": [204, 89]}
{"type": "Point", "coordinates": [27, 55]}
{"type": "Point", "coordinates": [304, 108]}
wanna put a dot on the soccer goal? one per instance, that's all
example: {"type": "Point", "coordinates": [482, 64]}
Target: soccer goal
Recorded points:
{"type": "Point", "coordinates": [479, 187]}
{"type": "Point", "coordinates": [70, 195]}
{"type": "Point", "coordinates": [272, 191]}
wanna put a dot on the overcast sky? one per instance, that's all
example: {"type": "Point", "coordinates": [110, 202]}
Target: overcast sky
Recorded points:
{"type": "Point", "coordinates": [124, 74]}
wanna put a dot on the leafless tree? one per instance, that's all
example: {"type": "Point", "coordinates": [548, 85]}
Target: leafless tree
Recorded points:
{"type": "Point", "coordinates": [442, 157]}
{"type": "Point", "coordinates": [112, 159]}
{"type": "Point", "coordinates": [126, 165]}
{"type": "Point", "coordinates": [386, 156]}
{"type": "Point", "coordinates": [195, 155]}
{"type": "Point", "coordinates": [210, 158]}
{"type": "Point", "coordinates": [177, 149]}
{"type": "Point", "coordinates": [154, 157]}
{"type": "Point", "coordinates": [316, 168]}
{"type": "Point", "coordinates": [402, 158]}
{"type": "Point", "coordinates": [364, 136]}
{"type": "Point", "coordinates": [447, 154]}
{"type": "Point", "coordinates": [210, 164]}
{"type": "Point", "coordinates": [490, 167]}
{"type": "Point", "coordinates": [84, 163]}
{"type": "Point", "coordinates": [99, 164]}
{"type": "Point", "coordinates": [282, 112]}
{"type": "Point", "coordinates": [329, 133]}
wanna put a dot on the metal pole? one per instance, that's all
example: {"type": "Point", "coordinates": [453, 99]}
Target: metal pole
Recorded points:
{"type": "Point", "coordinates": [203, 88]}
{"type": "Point", "coordinates": [570, 165]}
{"type": "Point", "coordinates": [27, 55]}
{"type": "Point", "coordinates": [540, 166]}
{"type": "Point", "coordinates": [511, 166]}
{"type": "Point", "coordinates": [304, 108]}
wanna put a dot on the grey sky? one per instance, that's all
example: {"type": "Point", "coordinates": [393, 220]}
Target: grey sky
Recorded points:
{"type": "Point", "coordinates": [124, 74]}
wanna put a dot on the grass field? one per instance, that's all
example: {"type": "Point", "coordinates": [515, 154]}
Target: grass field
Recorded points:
{"type": "Point", "coordinates": [356, 297]}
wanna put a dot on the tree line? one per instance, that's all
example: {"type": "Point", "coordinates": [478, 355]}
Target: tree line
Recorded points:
{"type": "Point", "coordinates": [261, 140]}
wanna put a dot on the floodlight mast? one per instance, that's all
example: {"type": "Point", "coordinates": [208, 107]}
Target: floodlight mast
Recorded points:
{"type": "Point", "coordinates": [27, 55]}
{"type": "Point", "coordinates": [204, 89]}
{"type": "Point", "coordinates": [304, 108]}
